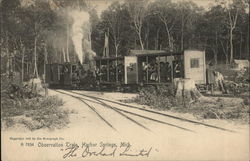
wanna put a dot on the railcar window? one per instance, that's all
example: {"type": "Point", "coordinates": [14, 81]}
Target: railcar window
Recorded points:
{"type": "Point", "coordinates": [194, 63]}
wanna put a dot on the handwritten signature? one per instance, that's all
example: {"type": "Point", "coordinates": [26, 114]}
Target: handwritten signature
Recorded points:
{"type": "Point", "coordinates": [73, 151]}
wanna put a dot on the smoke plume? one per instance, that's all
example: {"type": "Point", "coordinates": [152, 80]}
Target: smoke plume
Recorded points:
{"type": "Point", "coordinates": [80, 31]}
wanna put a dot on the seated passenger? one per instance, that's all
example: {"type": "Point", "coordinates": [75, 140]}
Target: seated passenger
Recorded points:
{"type": "Point", "coordinates": [154, 76]}
{"type": "Point", "coordinates": [111, 71]}
{"type": "Point", "coordinates": [97, 73]}
{"type": "Point", "coordinates": [153, 72]}
{"type": "Point", "coordinates": [144, 70]}
{"type": "Point", "coordinates": [120, 72]}
{"type": "Point", "coordinates": [169, 68]}
{"type": "Point", "coordinates": [177, 70]}
{"type": "Point", "coordinates": [163, 72]}
{"type": "Point", "coordinates": [104, 73]}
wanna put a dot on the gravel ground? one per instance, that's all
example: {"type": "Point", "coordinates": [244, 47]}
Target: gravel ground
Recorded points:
{"type": "Point", "coordinates": [167, 142]}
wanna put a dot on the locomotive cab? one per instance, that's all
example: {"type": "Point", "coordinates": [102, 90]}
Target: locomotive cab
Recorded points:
{"type": "Point", "coordinates": [62, 75]}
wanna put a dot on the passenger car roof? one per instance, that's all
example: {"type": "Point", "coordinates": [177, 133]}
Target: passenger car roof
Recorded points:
{"type": "Point", "coordinates": [152, 53]}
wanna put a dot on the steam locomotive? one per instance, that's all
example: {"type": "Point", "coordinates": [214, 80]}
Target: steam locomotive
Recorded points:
{"type": "Point", "coordinates": [68, 75]}
{"type": "Point", "coordinates": [139, 67]}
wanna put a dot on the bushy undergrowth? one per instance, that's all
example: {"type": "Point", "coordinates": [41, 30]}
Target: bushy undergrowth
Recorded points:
{"type": "Point", "coordinates": [163, 98]}
{"type": "Point", "coordinates": [218, 108]}
{"type": "Point", "coordinates": [160, 97]}
{"type": "Point", "coordinates": [237, 89]}
{"type": "Point", "coordinates": [236, 82]}
{"type": "Point", "coordinates": [20, 105]}
{"type": "Point", "coordinates": [243, 76]}
{"type": "Point", "coordinates": [36, 113]}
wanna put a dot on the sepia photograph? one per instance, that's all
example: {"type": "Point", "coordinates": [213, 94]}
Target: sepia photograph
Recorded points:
{"type": "Point", "coordinates": [125, 80]}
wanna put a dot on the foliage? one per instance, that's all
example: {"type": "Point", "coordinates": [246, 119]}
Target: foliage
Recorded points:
{"type": "Point", "coordinates": [243, 76]}
{"type": "Point", "coordinates": [160, 24]}
{"type": "Point", "coordinates": [160, 97]}
{"type": "Point", "coordinates": [218, 108]}
{"type": "Point", "coordinates": [21, 105]}
{"type": "Point", "coordinates": [183, 25]}
{"type": "Point", "coordinates": [236, 82]}
{"type": "Point", "coordinates": [35, 113]}
{"type": "Point", "coordinates": [115, 22]}
{"type": "Point", "coordinates": [163, 98]}
{"type": "Point", "coordinates": [237, 88]}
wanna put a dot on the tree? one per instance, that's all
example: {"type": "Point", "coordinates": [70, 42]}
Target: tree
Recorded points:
{"type": "Point", "coordinates": [213, 30]}
{"type": "Point", "coordinates": [114, 20]}
{"type": "Point", "coordinates": [153, 29]}
{"type": "Point", "coordinates": [39, 17]}
{"type": "Point", "coordinates": [9, 32]}
{"type": "Point", "coordinates": [137, 11]}
{"type": "Point", "coordinates": [166, 12]}
{"type": "Point", "coordinates": [188, 15]}
{"type": "Point", "coordinates": [234, 8]}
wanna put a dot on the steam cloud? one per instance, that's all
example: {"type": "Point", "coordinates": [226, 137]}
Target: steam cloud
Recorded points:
{"type": "Point", "coordinates": [80, 31]}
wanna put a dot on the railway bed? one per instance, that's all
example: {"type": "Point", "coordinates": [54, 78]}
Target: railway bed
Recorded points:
{"type": "Point", "coordinates": [133, 113]}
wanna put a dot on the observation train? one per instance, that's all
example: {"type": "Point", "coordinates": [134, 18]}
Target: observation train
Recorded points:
{"type": "Point", "coordinates": [139, 67]}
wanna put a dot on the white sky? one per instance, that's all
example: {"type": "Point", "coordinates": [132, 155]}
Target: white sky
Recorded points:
{"type": "Point", "coordinates": [203, 3]}
{"type": "Point", "coordinates": [103, 4]}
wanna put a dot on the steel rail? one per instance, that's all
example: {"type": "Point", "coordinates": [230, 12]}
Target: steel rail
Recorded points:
{"type": "Point", "coordinates": [129, 118]}
{"type": "Point", "coordinates": [148, 118]}
{"type": "Point", "coordinates": [91, 107]}
{"type": "Point", "coordinates": [159, 113]}
{"type": "Point", "coordinates": [132, 113]}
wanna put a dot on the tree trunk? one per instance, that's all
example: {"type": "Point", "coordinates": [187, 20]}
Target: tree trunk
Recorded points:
{"type": "Point", "coordinates": [182, 33]}
{"type": "Point", "coordinates": [116, 63]}
{"type": "Point", "coordinates": [231, 46]}
{"type": "Point", "coordinates": [247, 38]}
{"type": "Point", "coordinates": [58, 55]}
{"type": "Point", "coordinates": [225, 51]}
{"type": "Point", "coordinates": [67, 44]}
{"type": "Point", "coordinates": [8, 63]}
{"type": "Point", "coordinates": [169, 40]}
{"type": "Point", "coordinates": [169, 36]}
{"type": "Point", "coordinates": [8, 55]}
{"type": "Point", "coordinates": [240, 44]}
{"type": "Point", "coordinates": [157, 39]}
{"type": "Point", "coordinates": [155, 43]}
{"type": "Point", "coordinates": [35, 55]}
{"type": "Point", "coordinates": [45, 60]}
{"type": "Point", "coordinates": [216, 49]}
{"type": "Point", "coordinates": [135, 45]}
{"type": "Point", "coordinates": [140, 39]}
{"type": "Point", "coordinates": [215, 59]}
{"type": "Point", "coordinates": [146, 36]}
{"type": "Point", "coordinates": [13, 62]}
{"type": "Point", "coordinates": [22, 61]}
{"type": "Point", "coordinates": [27, 69]}
{"type": "Point", "coordinates": [164, 21]}
{"type": "Point", "coordinates": [22, 71]}
{"type": "Point", "coordinates": [64, 56]}
{"type": "Point", "coordinates": [227, 60]}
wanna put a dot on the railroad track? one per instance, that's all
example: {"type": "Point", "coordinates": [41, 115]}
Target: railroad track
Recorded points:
{"type": "Point", "coordinates": [123, 113]}
{"type": "Point", "coordinates": [154, 112]}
